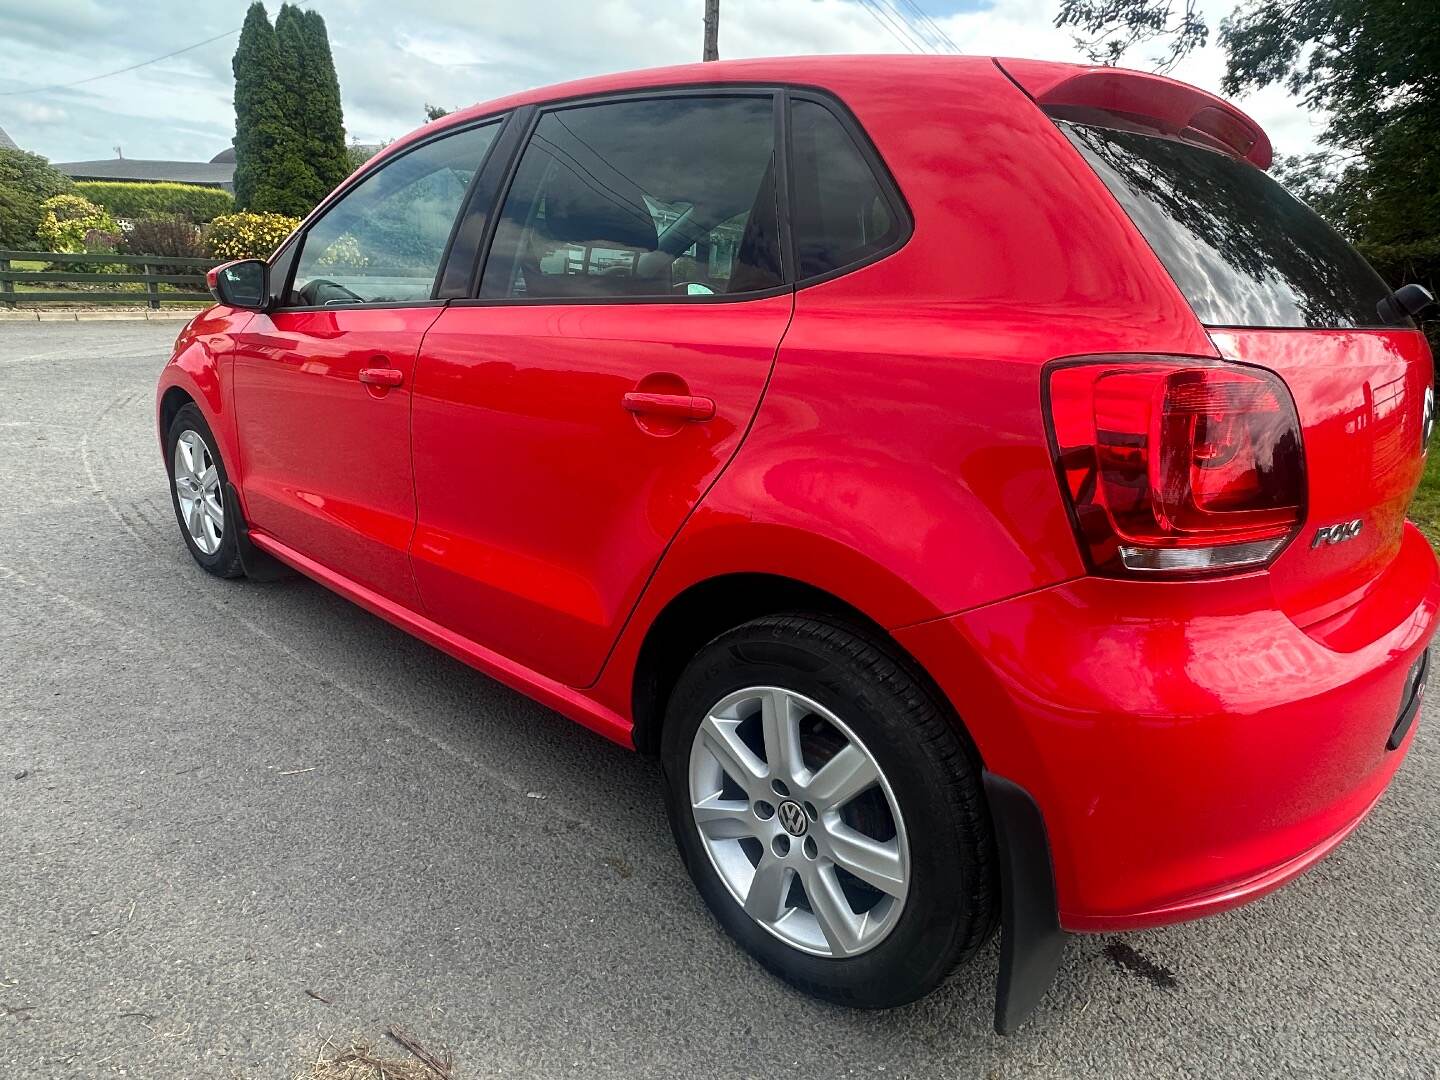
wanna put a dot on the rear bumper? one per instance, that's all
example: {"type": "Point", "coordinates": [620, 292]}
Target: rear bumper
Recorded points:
{"type": "Point", "coordinates": [1190, 748]}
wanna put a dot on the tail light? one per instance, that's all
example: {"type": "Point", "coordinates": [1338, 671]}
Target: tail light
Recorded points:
{"type": "Point", "coordinates": [1176, 467]}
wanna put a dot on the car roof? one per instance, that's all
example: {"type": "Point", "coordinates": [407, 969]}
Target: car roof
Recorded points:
{"type": "Point", "coordinates": [793, 70]}
{"type": "Point", "coordinates": [1038, 78]}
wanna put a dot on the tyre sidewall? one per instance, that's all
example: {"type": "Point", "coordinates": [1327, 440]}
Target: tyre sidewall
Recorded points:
{"type": "Point", "coordinates": [918, 953]}
{"type": "Point", "coordinates": [225, 562]}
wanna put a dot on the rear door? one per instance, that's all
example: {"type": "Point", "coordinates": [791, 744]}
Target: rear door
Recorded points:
{"type": "Point", "coordinates": [568, 419]}
{"type": "Point", "coordinates": [323, 383]}
{"type": "Point", "coordinates": [1277, 287]}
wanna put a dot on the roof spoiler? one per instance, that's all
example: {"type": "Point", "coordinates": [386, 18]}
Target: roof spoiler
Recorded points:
{"type": "Point", "coordinates": [1072, 91]}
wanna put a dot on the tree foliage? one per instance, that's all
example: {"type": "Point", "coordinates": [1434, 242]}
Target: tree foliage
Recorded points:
{"type": "Point", "coordinates": [435, 112]}
{"type": "Point", "coordinates": [289, 128]}
{"type": "Point", "coordinates": [1106, 30]}
{"type": "Point", "coordinates": [26, 181]}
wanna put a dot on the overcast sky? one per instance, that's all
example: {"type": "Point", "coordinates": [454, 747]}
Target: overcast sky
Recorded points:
{"type": "Point", "coordinates": [393, 57]}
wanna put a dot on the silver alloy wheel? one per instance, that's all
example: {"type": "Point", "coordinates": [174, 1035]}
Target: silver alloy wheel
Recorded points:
{"type": "Point", "coordinates": [778, 785]}
{"type": "Point", "coordinates": [197, 488]}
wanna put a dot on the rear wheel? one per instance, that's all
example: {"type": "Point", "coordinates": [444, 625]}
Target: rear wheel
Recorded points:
{"type": "Point", "coordinates": [829, 812]}
{"type": "Point", "coordinates": [197, 489]}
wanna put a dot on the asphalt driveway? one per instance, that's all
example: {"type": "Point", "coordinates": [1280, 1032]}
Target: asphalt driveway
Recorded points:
{"type": "Point", "coordinates": [239, 819]}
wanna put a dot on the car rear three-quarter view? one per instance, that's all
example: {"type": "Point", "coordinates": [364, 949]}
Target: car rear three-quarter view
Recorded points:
{"type": "Point", "coordinates": [978, 482]}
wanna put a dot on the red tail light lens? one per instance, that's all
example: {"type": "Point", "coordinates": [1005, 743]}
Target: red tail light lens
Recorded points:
{"type": "Point", "coordinates": [1174, 467]}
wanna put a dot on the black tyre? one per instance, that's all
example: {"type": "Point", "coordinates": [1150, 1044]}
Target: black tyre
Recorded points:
{"type": "Point", "coordinates": [829, 811]}
{"type": "Point", "coordinates": [197, 491]}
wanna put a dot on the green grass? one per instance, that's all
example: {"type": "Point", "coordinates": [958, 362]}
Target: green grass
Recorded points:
{"type": "Point", "coordinates": [1425, 510]}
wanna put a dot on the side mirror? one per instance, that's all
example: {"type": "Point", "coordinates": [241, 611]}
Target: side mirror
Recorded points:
{"type": "Point", "coordinates": [244, 283]}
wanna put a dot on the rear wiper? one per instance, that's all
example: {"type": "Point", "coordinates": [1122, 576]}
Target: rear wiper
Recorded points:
{"type": "Point", "coordinates": [1406, 301]}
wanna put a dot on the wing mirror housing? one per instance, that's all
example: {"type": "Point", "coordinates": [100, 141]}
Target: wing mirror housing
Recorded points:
{"type": "Point", "coordinates": [243, 283]}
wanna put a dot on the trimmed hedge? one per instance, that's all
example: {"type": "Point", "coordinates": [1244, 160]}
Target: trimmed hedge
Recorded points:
{"type": "Point", "coordinates": [128, 199]}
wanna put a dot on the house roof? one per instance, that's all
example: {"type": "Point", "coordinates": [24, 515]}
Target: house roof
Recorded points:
{"type": "Point", "coordinates": [212, 174]}
{"type": "Point", "coordinates": [7, 143]}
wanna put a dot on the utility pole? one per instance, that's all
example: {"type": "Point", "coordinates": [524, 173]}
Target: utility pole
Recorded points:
{"type": "Point", "coordinates": [712, 30]}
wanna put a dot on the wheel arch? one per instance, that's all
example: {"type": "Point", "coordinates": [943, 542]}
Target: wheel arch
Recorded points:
{"type": "Point", "coordinates": [708, 608]}
{"type": "Point", "coordinates": [172, 400]}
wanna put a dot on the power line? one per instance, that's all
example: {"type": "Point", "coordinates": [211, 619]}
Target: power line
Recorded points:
{"type": "Point", "coordinates": [132, 67]}
{"type": "Point", "coordinates": [932, 25]}
{"type": "Point", "coordinates": [882, 16]}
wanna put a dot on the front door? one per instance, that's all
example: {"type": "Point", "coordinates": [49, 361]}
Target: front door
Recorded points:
{"type": "Point", "coordinates": [567, 422]}
{"type": "Point", "coordinates": [323, 384]}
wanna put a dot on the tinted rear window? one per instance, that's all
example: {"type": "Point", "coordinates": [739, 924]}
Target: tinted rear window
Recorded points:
{"type": "Point", "coordinates": [1243, 250]}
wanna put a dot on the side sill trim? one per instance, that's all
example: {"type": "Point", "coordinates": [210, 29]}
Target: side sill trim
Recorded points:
{"type": "Point", "coordinates": [1031, 941]}
{"type": "Point", "coordinates": [555, 695]}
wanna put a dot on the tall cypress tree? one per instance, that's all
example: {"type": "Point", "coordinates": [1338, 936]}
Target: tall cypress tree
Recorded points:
{"type": "Point", "coordinates": [289, 130]}
{"type": "Point", "coordinates": [325, 129]}
{"type": "Point", "coordinates": [257, 106]}
{"type": "Point", "coordinates": [297, 96]}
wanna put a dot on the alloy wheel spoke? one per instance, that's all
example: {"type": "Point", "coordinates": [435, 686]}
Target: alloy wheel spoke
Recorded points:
{"type": "Point", "coordinates": [843, 777]}
{"type": "Point", "coordinates": [737, 759]}
{"type": "Point", "coordinates": [192, 455]}
{"type": "Point", "coordinates": [780, 722]}
{"type": "Point", "coordinates": [209, 479]}
{"type": "Point", "coordinates": [838, 921]}
{"type": "Point", "coordinates": [872, 861]}
{"type": "Point", "coordinates": [195, 520]}
{"type": "Point", "coordinates": [723, 819]}
{"type": "Point", "coordinates": [766, 899]}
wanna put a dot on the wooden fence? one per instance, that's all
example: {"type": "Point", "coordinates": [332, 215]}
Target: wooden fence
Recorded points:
{"type": "Point", "coordinates": [144, 273]}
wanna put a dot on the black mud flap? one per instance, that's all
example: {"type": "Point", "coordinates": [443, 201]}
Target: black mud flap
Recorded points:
{"type": "Point", "coordinates": [1031, 941]}
{"type": "Point", "coordinates": [258, 566]}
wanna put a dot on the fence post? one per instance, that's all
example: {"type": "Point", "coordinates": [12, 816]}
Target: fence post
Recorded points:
{"type": "Point", "coordinates": [152, 288]}
{"type": "Point", "coordinates": [7, 287]}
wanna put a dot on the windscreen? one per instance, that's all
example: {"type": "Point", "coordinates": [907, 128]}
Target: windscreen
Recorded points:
{"type": "Point", "coordinates": [1243, 250]}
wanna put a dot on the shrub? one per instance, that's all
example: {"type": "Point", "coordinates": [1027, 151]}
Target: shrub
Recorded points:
{"type": "Point", "coordinates": [173, 236]}
{"type": "Point", "coordinates": [66, 220]}
{"type": "Point", "coordinates": [248, 236]}
{"type": "Point", "coordinates": [26, 181]}
{"type": "Point", "coordinates": [135, 200]}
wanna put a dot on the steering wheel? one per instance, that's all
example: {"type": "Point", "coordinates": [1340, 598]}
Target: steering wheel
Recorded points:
{"type": "Point", "coordinates": [313, 292]}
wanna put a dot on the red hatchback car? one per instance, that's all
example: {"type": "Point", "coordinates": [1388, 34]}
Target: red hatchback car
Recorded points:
{"type": "Point", "coordinates": [978, 482]}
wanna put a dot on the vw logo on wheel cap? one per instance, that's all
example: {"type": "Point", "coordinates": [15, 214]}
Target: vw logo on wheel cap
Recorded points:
{"type": "Point", "coordinates": [792, 816]}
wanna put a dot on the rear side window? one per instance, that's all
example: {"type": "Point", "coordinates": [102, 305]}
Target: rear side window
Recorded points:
{"type": "Point", "coordinates": [663, 197]}
{"type": "Point", "coordinates": [840, 210]}
{"type": "Point", "coordinates": [1243, 250]}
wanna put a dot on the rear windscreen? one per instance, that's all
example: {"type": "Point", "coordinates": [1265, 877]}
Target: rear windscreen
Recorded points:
{"type": "Point", "coordinates": [1243, 250]}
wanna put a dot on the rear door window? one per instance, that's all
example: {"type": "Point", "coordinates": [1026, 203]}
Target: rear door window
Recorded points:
{"type": "Point", "coordinates": [1243, 250]}
{"type": "Point", "coordinates": [665, 197]}
{"type": "Point", "coordinates": [842, 213]}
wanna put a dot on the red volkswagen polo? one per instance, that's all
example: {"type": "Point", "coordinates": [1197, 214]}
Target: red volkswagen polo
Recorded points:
{"type": "Point", "coordinates": [978, 482]}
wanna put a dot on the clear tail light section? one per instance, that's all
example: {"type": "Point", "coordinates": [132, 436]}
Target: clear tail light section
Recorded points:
{"type": "Point", "coordinates": [1175, 467]}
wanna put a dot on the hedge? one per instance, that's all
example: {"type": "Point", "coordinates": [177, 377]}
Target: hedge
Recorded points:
{"type": "Point", "coordinates": [127, 199]}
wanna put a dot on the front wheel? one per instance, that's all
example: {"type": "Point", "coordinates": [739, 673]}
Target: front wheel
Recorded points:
{"type": "Point", "coordinates": [828, 810]}
{"type": "Point", "coordinates": [197, 490]}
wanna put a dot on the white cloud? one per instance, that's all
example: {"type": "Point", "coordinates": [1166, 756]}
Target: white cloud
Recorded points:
{"type": "Point", "coordinates": [392, 59]}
